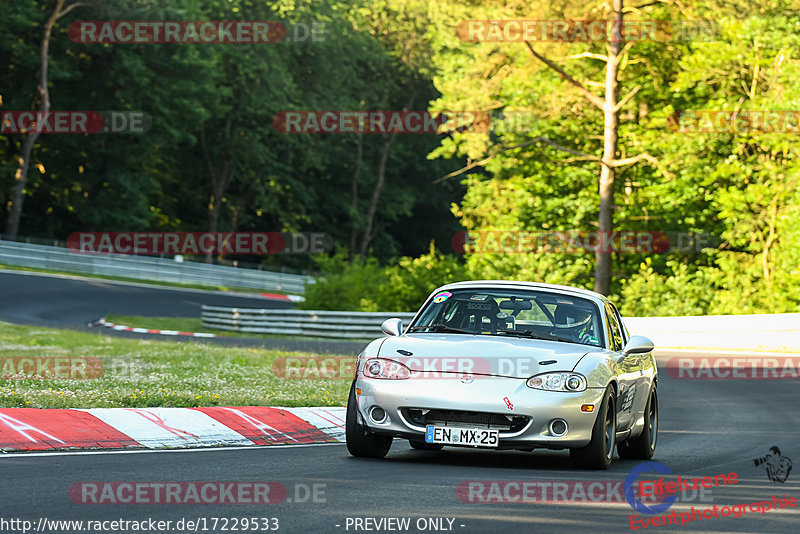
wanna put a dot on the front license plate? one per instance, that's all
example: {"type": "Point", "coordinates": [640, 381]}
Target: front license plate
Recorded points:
{"type": "Point", "coordinates": [453, 435]}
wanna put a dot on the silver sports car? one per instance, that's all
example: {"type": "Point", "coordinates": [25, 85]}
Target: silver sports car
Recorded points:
{"type": "Point", "coordinates": [508, 365]}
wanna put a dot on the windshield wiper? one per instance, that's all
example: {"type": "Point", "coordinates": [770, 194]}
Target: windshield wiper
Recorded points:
{"type": "Point", "coordinates": [439, 327]}
{"type": "Point", "coordinates": [523, 333]}
{"type": "Point", "coordinates": [531, 335]}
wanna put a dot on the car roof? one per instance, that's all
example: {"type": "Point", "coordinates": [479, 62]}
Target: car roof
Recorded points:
{"type": "Point", "coordinates": [525, 285]}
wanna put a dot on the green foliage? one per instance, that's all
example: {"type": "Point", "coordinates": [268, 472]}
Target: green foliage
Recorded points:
{"type": "Point", "coordinates": [650, 294]}
{"type": "Point", "coordinates": [740, 187]}
{"type": "Point", "coordinates": [212, 107]}
{"type": "Point", "coordinates": [365, 286]}
{"type": "Point", "coordinates": [212, 140]}
{"type": "Point", "coordinates": [410, 280]}
{"type": "Point", "coordinates": [344, 285]}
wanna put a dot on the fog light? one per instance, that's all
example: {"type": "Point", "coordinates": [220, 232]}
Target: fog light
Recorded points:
{"type": "Point", "coordinates": [378, 414]}
{"type": "Point", "coordinates": [558, 427]}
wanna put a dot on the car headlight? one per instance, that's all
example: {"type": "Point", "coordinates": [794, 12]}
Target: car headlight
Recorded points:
{"type": "Point", "coordinates": [386, 369]}
{"type": "Point", "coordinates": [558, 382]}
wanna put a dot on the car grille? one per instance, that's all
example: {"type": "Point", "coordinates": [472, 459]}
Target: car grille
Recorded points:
{"type": "Point", "coordinates": [502, 422]}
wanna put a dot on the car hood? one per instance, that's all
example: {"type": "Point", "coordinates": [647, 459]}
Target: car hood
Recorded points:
{"type": "Point", "coordinates": [481, 355]}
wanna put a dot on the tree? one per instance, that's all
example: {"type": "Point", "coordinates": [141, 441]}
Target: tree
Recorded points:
{"type": "Point", "coordinates": [610, 105]}
{"type": "Point", "coordinates": [21, 175]}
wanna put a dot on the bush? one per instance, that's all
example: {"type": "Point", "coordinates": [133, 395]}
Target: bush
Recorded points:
{"type": "Point", "coordinates": [650, 294]}
{"type": "Point", "coordinates": [408, 282]}
{"type": "Point", "coordinates": [366, 286]}
{"type": "Point", "coordinates": [345, 286]}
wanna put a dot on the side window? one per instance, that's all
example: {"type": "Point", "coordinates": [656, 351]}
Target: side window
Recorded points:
{"type": "Point", "coordinates": [625, 335]}
{"type": "Point", "coordinates": [616, 332]}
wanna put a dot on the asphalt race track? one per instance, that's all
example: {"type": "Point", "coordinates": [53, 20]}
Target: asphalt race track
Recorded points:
{"type": "Point", "coordinates": [48, 300]}
{"type": "Point", "coordinates": [72, 302]}
{"type": "Point", "coordinates": [707, 428]}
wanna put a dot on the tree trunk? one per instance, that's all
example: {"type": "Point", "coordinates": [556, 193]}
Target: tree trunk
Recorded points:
{"type": "Point", "coordinates": [376, 193]}
{"type": "Point", "coordinates": [605, 220]}
{"type": "Point", "coordinates": [220, 181]}
{"type": "Point", "coordinates": [21, 176]}
{"type": "Point", "coordinates": [354, 198]}
{"type": "Point", "coordinates": [244, 198]}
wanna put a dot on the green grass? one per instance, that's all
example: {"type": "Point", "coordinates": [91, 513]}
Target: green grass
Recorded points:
{"type": "Point", "coordinates": [183, 324]}
{"type": "Point", "coordinates": [142, 373]}
{"type": "Point", "coordinates": [139, 281]}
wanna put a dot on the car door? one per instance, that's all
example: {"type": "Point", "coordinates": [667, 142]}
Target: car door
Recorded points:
{"type": "Point", "coordinates": [647, 372]}
{"type": "Point", "coordinates": [628, 370]}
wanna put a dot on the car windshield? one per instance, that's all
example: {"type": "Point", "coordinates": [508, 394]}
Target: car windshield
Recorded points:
{"type": "Point", "coordinates": [518, 313]}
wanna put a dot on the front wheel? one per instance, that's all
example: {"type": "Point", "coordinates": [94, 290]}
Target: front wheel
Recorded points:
{"type": "Point", "coordinates": [643, 446]}
{"type": "Point", "coordinates": [598, 453]}
{"type": "Point", "coordinates": [360, 441]}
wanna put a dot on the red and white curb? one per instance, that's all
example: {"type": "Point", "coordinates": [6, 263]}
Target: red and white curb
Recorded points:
{"type": "Point", "coordinates": [124, 328]}
{"type": "Point", "coordinates": [33, 429]}
{"type": "Point", "coordinates": [287, 298]}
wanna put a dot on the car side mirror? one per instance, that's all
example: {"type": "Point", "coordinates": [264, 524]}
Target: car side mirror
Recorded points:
{"type": "Point", "coordinates": [392, 327]}
{"type": "Point", "coordinates": [637, 345]}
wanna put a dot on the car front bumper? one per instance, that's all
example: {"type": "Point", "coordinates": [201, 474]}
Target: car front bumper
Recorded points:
{"type": "Point", "coordinates": [494, 395]}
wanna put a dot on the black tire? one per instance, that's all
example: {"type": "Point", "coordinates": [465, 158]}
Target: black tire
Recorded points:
{"type": "Point", "coordinates": [422, 446]}
{"type": "Point", "coordinates": [360, 441]}
{"type": "Point", "coordinates": [643, 446]}
{"type": "Point", "coordinates": [600, 450]}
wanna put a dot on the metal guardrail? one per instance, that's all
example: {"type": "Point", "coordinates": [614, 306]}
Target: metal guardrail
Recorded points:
{"type": "Point", "coordinates": [148, 268]}
{"type": "Point", "coordinates": [311, 323]}
{"type": "Point", "coordinates": [742, 332]}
